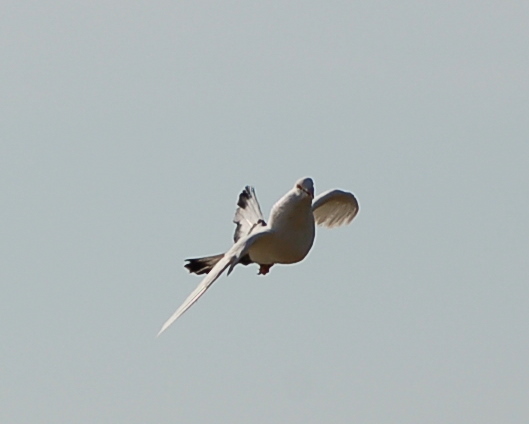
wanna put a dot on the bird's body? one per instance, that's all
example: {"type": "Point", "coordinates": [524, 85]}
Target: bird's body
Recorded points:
{"type": "Point", "coordinates": [286, 239]}
{"type": "Point", "coordinates": [291, 232]}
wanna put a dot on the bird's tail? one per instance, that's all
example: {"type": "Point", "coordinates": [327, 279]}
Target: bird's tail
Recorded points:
{"type": "Point", "coordinates": [202, 265]}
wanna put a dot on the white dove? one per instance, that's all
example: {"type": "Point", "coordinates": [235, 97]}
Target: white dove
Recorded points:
{"type": "Point", "coordinates": [286, 239]}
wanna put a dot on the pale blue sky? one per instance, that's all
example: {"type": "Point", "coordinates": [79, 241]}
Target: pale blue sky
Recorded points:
{"type": "Point", "coordinates": [127, 130]}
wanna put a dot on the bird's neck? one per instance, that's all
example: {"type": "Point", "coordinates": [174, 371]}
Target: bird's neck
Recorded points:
{"type": "Point", "coordinates": [291, 210]}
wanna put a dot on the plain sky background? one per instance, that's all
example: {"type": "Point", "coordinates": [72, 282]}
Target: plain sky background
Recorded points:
{"type": "Point", "coordinates": [127, 130]}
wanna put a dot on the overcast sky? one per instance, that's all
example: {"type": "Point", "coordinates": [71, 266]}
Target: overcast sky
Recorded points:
{"type": "Point", "coordinates": [128, 129]}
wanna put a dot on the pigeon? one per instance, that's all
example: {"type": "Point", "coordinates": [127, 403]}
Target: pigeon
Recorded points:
{"type": "Point", "coordinates": [286, 239]}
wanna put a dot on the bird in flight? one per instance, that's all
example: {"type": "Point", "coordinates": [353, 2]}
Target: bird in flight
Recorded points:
{"type": "Point", "coordinates": [286, 239]}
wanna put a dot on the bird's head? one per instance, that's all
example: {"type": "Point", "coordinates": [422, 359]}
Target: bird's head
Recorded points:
{"type": "Point", "coordinates": [305, 186]}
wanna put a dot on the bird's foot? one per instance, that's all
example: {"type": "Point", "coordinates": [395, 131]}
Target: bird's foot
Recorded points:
{"type": "Point", "coordinates": [264, 269]}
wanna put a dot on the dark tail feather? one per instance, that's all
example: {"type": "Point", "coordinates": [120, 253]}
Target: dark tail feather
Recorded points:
{"type": "Point", "coordinates": [202, 265]}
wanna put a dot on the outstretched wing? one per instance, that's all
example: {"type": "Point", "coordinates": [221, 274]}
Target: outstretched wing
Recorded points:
{"type": "Point", "coordinates": [230, 259]}
{"type": "Point", "coordinates": [248, 213]}
{"type": "Point", "coordinates": [333, 208]}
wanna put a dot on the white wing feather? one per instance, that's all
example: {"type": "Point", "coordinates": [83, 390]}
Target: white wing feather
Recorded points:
{"type": "Point", "coordinates": [247, 214]}
{"type": "Point", "coordinates": [333, 208]}
{"type": "Point", "coordinates": [230, 259]}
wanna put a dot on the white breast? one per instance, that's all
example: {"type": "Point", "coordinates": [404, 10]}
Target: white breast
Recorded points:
{"type": "Point", "coordinates": [292, 235]}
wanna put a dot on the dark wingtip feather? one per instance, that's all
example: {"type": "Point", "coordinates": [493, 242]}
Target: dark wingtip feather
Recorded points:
{"type": "Point", "coordinates": [244, 197]}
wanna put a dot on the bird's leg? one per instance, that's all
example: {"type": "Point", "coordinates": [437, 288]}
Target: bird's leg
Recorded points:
{"type": "Point", "coordinates": [264, 269]}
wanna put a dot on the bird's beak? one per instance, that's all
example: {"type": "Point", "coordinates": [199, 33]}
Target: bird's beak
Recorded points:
{"type": "Point", "coordinates": [310, 194]}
